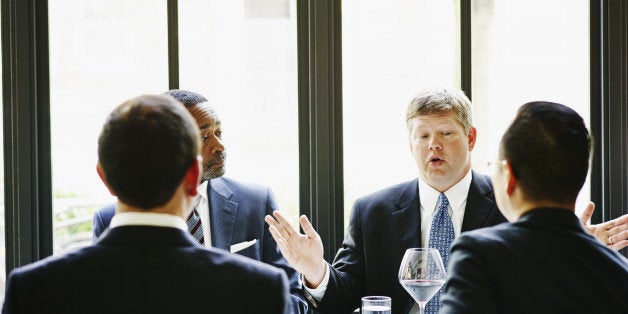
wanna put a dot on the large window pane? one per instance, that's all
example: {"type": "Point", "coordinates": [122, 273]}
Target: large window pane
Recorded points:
{"type": "Point", "coordinates": [101, 54]}
{"type": "Point", "coordinates": [241, 55]}
{"type": "Point", "coordinates": [523, 51]}
{"type": "Point", "coordinates": [390, 52]}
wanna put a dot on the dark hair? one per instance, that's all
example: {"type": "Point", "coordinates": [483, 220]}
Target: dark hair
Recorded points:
{"type": "Point", "coordinates": [146, 146]}
{"type": "Point", "coordinates": [187, 98]}
{"type": "Point", "coordinates": [548, 147]}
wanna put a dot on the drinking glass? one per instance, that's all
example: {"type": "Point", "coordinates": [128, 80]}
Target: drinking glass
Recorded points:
{"type": "Point", "coordinates": [376, 305]}
{"type": "Point", "coordinates": [422, 274]}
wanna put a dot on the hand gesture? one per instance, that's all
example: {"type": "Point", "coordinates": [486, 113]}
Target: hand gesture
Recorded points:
{"type": "Point", "coordinates": [613, 233]}
{"type": "Point", "coordinates": [304, 252]}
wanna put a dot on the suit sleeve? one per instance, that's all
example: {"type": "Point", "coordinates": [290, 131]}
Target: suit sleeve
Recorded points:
{"type": "Point", "coordinates": [469, 287]}
{"type": "Point", "coordinates": [10, 303]}
{"type": "Point", "coordinates": [272, 256]}
{"type": "Point", "coordinates": [281, 295]}
{"type": "Point", "coordinates": [347, 273]}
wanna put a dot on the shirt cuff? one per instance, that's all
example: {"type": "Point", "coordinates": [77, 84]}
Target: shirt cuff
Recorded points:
{"type": "Point", "coordinates": [319, 292]}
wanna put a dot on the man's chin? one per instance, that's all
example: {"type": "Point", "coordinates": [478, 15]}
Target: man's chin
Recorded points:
{"type": "Point", "coordinates": [217, 173]}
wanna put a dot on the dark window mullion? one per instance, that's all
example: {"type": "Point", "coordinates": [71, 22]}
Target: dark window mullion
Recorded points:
{"type": "Point", "coordinates": [173, 44]}
{"type": "Point", "coordinates": [26, 116]}
{"type": "Point", "coordinates": [320, 119]}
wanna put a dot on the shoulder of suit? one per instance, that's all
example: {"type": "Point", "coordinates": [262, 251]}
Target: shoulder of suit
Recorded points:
{"type": "Point", "coordinates": [392, 192]}
{"type": "Point", "coordinates": [109, 209]}
{"type": "Point", "coordinates": [240, 185]}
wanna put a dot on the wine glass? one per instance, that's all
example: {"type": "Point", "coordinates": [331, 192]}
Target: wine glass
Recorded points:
{"type": "Point", "coordinates": [422, 274]}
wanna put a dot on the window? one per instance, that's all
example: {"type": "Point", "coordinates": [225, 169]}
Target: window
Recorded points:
{"type": "Point", "coordinates": [102, 53]}
{"type": "Point", "coordinates": [521, 54]}
{"type": "Point", "coordinates": [390, 52]}
{"type": "Point", "coordinates": [241, 55]}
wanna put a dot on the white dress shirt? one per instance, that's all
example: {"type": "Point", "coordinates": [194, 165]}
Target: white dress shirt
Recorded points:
{"type": "Point", "coordinates": [457, 196]}
{"type": "Point", "coordinates": [148, 219]}
{"type": "Point", "coordinates": [203, 211]}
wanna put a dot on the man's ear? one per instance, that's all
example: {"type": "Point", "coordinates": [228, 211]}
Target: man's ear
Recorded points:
{"type": "Point", "coordinates": [102, 176]}
{"type": "Point", "coordinates": [192, 177]}
{"type": "Point", "coordinates": [472, 136]}
{"type": "Point", "coordinates": [511, 181]}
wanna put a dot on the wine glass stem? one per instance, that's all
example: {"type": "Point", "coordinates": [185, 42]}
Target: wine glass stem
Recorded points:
{"type": "Point", "coordinates": [421, 308]}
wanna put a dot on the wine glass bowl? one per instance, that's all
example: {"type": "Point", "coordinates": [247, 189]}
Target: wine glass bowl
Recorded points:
{"type": "Point", "coordinates": [422, 274]}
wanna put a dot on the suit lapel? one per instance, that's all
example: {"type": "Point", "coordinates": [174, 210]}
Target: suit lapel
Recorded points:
{"type": "Point", "coordinates": [223, 212]}
{"type": "Point", "coordinates": [407, 219]}
{"type": "Point", "coordinates": [479, 203]}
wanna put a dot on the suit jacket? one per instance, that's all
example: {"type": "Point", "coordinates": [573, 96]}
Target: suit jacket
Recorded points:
{"type": "Point", "coordinates": [237, 213]}
{"type": "Point", "coordinates": [382, 226]}
{"type": "Point", "coordinates": [545, 262]}
{"type": "Point", "coordinates": [146, 269]}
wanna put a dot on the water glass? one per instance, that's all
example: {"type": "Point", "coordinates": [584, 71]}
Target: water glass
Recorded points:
{"type": "Point", "coordinates": [376, 305]}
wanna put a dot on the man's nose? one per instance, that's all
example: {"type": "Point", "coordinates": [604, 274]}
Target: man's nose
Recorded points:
{"type": "Point", "coordinates": [216, 145]}
{"type": "Point", "coordinates": [435, 143]}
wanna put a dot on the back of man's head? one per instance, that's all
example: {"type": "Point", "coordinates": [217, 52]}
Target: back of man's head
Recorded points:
{"type": "Point", "coordinates": [145, 148]}
{"type": "Point", "coordinates": [548, 147]}
{"type": "Point", "coordinates": [187, 98]}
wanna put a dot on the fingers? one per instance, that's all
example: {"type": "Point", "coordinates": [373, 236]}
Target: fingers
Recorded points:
{"type": "Point", "coordinates": [307, 227]}
{"type": "Point", "coordinates": [287, 227]}
{"type": "Point", "coordinates": [620, 245]}
{"type": "Point", "coordinates": [587, 213]}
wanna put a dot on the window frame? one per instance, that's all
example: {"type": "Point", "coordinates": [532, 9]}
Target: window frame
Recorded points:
{"type": "Point", "coordinates": [26, 114]}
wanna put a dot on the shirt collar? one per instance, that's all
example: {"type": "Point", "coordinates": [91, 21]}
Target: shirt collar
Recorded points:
{"type": "Point", "coordinates": [456, 195]}
{"type": "Point", "coordinates": [147, 219]}
{"type": "Point", "coordinates": [202, 190]}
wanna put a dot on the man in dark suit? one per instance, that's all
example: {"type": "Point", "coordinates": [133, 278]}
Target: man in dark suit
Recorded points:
{"type": "Point", "coordinates": [231, 212]}
{"type": "Point", "coordinates": [386, 223]}
{"type": "Point", "coordinates": [147, 262]}
{"type": "Point", "coordinates": [544, 261]}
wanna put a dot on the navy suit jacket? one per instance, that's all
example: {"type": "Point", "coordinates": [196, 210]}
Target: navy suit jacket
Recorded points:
{"type": "Point", "coordinates": [545, 262]}
{"type": "Point", "coordinates": [382, 226]}
{"type": "Point", "coordinates": [237, 213]}
{"type": "Point", "coordinates": [146, 269]}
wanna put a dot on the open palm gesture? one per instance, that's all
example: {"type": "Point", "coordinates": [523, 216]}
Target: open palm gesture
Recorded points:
{"type": "Point", "coordinates": [304, 252]}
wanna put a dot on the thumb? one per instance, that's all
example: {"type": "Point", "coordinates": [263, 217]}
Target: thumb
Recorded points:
{"type": "Point", "coordinates": [588, 212]}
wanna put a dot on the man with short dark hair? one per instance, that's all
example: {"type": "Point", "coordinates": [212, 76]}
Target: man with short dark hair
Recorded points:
{"type": "Point", "coordinates": [228, 214]}
{"type": "Point", "coordinates": [147, 262]}
{"type": "Point", "coordinates": [543, 261]}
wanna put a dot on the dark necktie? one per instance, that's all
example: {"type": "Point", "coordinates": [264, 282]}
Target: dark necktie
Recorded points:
{"type": "Point", "coordinates": [441, 237]}
{"type": "Point", "coordinates": [194, 225]}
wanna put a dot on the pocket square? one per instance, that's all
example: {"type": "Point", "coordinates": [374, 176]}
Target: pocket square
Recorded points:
{"type": "Point", "coordinates": [242, 245]}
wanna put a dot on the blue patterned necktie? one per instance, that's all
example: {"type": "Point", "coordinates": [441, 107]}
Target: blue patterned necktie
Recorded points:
{"type": "Point", "coordinates": [195, 227]}
{"type": "Point", "coordinates": [441, 237]}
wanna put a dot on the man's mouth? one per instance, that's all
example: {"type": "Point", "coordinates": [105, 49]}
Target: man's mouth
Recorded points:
{"type": "Point", "coordinates": [435, 160]}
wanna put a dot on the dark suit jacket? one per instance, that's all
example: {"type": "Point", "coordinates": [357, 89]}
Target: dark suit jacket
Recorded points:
{"type": "Point", "coordinates": [146, 269]}
{"type": "Point", "coordinates": [545, 262]}
{"type": "Point", "coordinates": [237, 213]}
{"type": "Point", "coordinates": [382, 226]}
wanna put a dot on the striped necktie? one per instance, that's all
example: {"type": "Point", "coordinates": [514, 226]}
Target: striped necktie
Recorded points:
{"type": "Point", "coordinates": [195, 227]}
{"type": "Point", "coordinates": [441, 237]}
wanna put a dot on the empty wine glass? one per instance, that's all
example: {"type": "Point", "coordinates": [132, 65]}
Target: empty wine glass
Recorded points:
{"type": "Point", "coordinates": [422, 274]}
